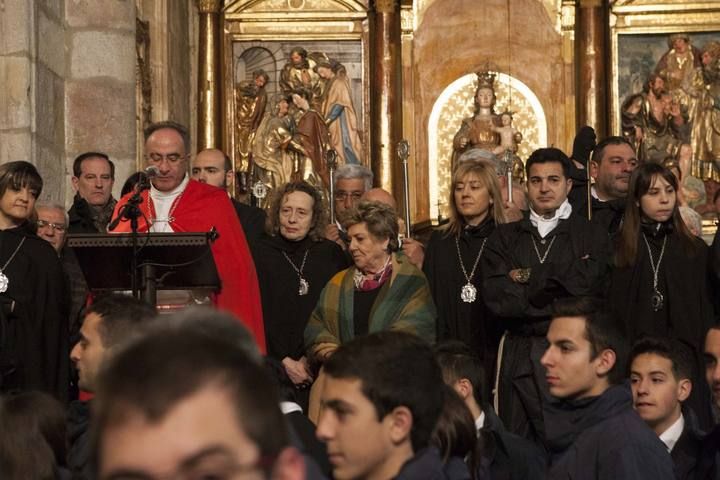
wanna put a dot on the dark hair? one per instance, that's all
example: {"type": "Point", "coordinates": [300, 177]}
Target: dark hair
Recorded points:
{"type": "Point", "coordinates": [151, 375]}
{"type": "Point", "coordinates": [130, 183]}
{"type": "Point", "coordinates": [122, 316]}
{"type": "Point", "coordinates": [549, 155]}
{"type": "Point", "coordinates": [19, 174]}
{"type": "Point", "coordinates": [457, 361]}
{"type": "Point", "coordinates": [455, 434]}
{"type": "Point", "coordinates": [650, 80]}
{"type": "Point", "coordinates": [629, 236]}
{"type": "Point", "coordinates": [179, 128]}
{"type": "Point", "coordinates": [395, 369]}
{"type": "Point", "coordinates": [673, 350]}
{"type": "Point", "coordinates": [380, 218]}
{"type": "Point", "coordinates": [598, 152]}
{"type": "Point", "coordinates": [32, 436]}
{"type": "Point", "coordinates": [228, 161]}
{"type": "Point", "coordinates": [319, 212]}
{"type": "Point", "coordinates": [601, 330]}
{"type": "Point", "coordinates": [77, 163]}
{"type": "Point", "coordinates": [261, 73]}
{"type": "Point", "coordinates": [207, 321]}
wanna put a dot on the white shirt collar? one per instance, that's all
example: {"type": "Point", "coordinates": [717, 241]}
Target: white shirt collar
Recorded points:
{"type": "Point", "coordinates": [670, 436]}
{"type": "Point", "coordinates": [157, 194]}
{"type": "Point", "coordinates": [547, 225]}
{"type": "Point", "coordinates": [289, 407]}
{"type": "Point", "coordinates": [480, 421]}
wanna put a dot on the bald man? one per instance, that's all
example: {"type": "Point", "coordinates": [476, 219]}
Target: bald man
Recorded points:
{"type": "Point", "coordinates": [214, 167]}
{"type": "Point", "coordinates": [413, 249]}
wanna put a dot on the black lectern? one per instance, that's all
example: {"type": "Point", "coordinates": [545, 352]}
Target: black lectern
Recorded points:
{"type": "Point", "coordinates": [165, 261]}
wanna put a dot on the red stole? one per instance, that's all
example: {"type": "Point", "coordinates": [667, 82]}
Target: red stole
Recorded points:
{"type": "Point", "coordinates": [199, 208]}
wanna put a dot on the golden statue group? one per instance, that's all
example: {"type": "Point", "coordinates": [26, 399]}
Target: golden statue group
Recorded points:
{"type": "Point", "coordinates": [675, 120]}
{"type": "Point", "coordinates": [288, 139]}
{"type": "Point", "coordinates": [490, 136]}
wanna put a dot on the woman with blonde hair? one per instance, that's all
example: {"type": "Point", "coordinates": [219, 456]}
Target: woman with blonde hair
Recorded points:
{"type": "Point", "coordinates": [452, 258]}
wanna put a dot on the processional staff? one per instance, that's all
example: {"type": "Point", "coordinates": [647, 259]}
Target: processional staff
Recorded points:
{"type": "Point", "coordinates": [403, 151]}
{"type": "Point", "coordinates": [509, 174]}
{"type": "Point", "coordinates": [331, 160]}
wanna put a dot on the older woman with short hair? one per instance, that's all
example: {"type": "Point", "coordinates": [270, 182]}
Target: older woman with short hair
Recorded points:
{"type": "Point", "coordinates": [382, 291]}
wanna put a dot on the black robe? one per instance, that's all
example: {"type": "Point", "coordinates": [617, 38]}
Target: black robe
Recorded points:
{"type": "Point", "coordinates": [687, 313]}
{"type": "Point", "coordinates": [607, 215]}
{"type": "Point", "coordinates": [285, 312]}
{"type": "Point", "coordinates": [252, 220]}
{"type": "Point", "coordinates": [34, 351]}
{"type": "Point", "coordinates": [576, 266]}
{"type": "Point", "coordinates": [471, 323]}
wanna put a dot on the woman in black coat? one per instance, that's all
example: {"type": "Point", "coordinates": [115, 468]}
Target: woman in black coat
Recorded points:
{"type": "Point", "coordinates": [293, 265]}
{"type": "Point", "coordinates": [452, 259]}
{"type": "Point", "coordinates": [660, 283]}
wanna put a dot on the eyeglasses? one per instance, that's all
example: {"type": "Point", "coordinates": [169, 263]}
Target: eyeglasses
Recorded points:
{"type": "Point", "coordinates": [171, 157]}
{"type": "Point", "coordinates": [56, 226]}
{"type": "Point", "coordinates": [341, 195]}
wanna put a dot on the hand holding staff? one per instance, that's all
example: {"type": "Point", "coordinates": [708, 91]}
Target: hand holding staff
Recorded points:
{"type": "Point", "coordinates": [403, 151]}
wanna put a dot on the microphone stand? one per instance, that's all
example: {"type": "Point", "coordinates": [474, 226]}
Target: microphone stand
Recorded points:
{"type": "Point", "coordinates": [131, 211]}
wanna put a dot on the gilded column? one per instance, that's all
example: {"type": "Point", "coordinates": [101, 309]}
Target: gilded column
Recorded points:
{"type": "Point", "coordinates": [209, 75]}
{"type": "Point", "coordinates": [592, 64]}
{"type": "Point", "coordinates": [385, 95]}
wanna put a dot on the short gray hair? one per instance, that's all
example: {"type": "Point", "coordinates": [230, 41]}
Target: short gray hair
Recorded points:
{"type": "Point", "coordinates": [351, 171]}
{"type": "Point", "coordinates": [57, 206]}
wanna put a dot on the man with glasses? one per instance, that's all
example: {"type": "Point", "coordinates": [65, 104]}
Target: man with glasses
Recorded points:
{"type": "Point", "coordinates": [176, 203]}
{"type": "Point", "coordinates": [52, 224]}
{"type": "Point", "coordinates": [351, 183]}
{"type": "Point", "coordinates": [93, 179]}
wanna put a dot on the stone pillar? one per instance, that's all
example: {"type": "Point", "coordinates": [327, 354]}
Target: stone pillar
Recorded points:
{"type": "Point", "coordinates": [100, 86]}
{"type": "Point", "coordinates": [385, 96]}
{"type": "Point", "coordinates": [209, 75]}
{"type": "Point", "coordinates": [592, 55]}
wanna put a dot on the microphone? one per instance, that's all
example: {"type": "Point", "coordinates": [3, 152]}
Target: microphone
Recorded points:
{"type": "Point", "coordinates": [152, 171]}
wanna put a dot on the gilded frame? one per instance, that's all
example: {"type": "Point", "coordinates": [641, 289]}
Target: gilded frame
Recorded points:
{"type": "Point", "coordinates": [651, 18]}
{"type": "Point", "coordinates": [276, 21]}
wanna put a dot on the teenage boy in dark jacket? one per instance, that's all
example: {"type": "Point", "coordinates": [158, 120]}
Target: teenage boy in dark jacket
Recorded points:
{"type": "Point", "coordinates": [592, 430]}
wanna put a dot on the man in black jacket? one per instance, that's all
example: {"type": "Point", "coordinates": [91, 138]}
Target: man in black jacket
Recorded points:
{"type": "Point", "coordinates": [527, 265]}
{"type": "Point", "coordinates": [214, 167]}
{"type": "Point", "coordinates": [93, 179]}
{"type": "Point", "coordinates": [613, 161]}
{"type": "Point", "coordinates": [660, 376]}
{"type": "Point", "coordinates": [508, 456]}
{"type": "Point", "coordinates": [592, 430]}
{"type": "Point", "coordinates": [109, 322]}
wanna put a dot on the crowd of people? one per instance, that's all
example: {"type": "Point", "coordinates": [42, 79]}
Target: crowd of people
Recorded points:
{"type": "Point", "coordinates": [578, 339]}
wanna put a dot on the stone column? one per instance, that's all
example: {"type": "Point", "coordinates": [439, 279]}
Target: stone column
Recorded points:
{"type": "Point", "coordinates": [209, 75]}
{"type": "Point", "coordinates": [385, 96]}
{"type": "Point", "coordinates": [592, 56]}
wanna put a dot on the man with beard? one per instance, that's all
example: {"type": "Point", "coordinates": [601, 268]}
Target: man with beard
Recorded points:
{"type": "Point", "coordinates": [654, 122]}
{"type": "Point", "coordinates": [214, 167]}
{"type": "Point", "coordinates": [93, 179]}
{"type": "Point", "coordinates": [299, 74]}
{"type": "Point", "coordinates": [612, 162]}
{"type": "Point", "coordinates": [527, 265]}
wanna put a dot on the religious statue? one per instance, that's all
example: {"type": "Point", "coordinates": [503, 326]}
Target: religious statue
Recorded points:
{"type": "Point", "coordinates": [706, 166]}
{"type": "Point", "coordinates": [681, 69]}
{"type": "Point", "coordinates": [250, 100]}
{"type": "Point", "coordinates": [509, 135]}
{"type": "Point", "coordinates": [300, 74]}
{"type": "Point", "coordinates": [654, 123]}
{"type": "Point", "coordinates": [479, 138]}
{"type": "Point", "coordinates": [309, 143]}
{"type": "Point", "coordinates": [272, 163]}
{"type": "Point", "coordinates": [339, 112]}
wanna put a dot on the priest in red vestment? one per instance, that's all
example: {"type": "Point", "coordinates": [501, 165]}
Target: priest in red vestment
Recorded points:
{"type": "Point", "coordinates": [175, 203]}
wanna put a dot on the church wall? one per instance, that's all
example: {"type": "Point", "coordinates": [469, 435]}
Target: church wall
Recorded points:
{"type": "Point", "coordinates": [100, 83]}
{"type": "Point", "coordinates": [456, 37]}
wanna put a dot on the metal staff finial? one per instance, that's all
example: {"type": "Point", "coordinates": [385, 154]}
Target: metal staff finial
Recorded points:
{"type": "Point", "coordinates": [403, 151]}
{"type": "Point", "coordinates": [331, 160]}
